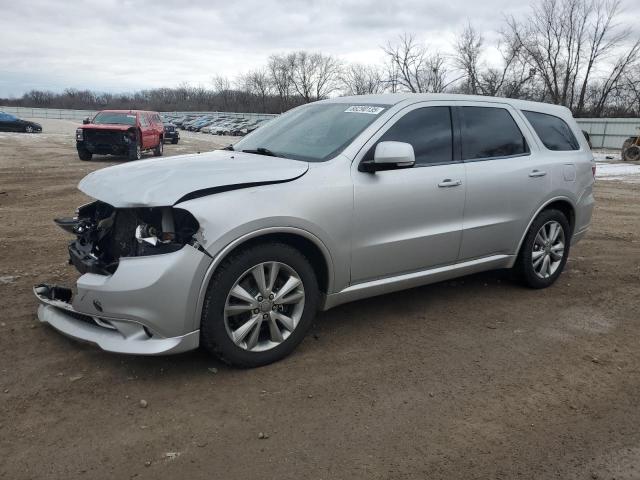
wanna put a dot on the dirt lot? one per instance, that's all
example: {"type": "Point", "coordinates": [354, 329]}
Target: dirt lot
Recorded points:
{"type": "Point", "coordinates": [475, 378]}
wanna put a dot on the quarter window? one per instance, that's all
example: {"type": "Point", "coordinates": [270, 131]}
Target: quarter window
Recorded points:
{"type": "Point", "coordinates": [553, 131]}
{"type": "Point", "coordinates": [428, 130]}
{"type": "Point", "coordinates": [489, 132]}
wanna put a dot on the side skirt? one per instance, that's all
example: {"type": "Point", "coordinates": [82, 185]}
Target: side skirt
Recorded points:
{"type": "Point", "coordinates": [416, 279]}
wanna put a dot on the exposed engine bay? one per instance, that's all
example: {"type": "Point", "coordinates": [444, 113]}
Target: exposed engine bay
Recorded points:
{"type": "Point", "coordinates": [105, 234]}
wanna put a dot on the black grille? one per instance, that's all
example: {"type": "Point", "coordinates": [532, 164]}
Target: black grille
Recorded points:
{"type": "Point", "coordinates": [104, 137]}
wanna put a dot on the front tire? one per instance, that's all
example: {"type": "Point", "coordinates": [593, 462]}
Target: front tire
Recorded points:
{"type": "Point", "coordinates": [84, 154]}
{"type": "Point", "coordinates": [135, 153]}
{"type": "Point", "coordinates": [28, 129]}
{"type": "Point", "coordinates": [260, 303]}
{"type": "Point", "coordinates": [545, 250]}
{"type": "Point", "coordinates": [174, 141]}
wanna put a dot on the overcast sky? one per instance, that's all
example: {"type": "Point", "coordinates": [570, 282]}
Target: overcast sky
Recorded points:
{"type": "Point", "coordinates": [120, 45]}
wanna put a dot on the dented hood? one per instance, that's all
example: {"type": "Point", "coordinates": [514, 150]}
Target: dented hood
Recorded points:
{"type": "Point", "coordinates": [167, 181]}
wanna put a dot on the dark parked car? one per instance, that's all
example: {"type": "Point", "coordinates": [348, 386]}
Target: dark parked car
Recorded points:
{"type": "Point", "coordinates": [9, 123]}
{"type": "Point", "coordinates": [171, 133]}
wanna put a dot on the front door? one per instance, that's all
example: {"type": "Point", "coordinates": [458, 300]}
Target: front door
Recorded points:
{"type": "Point", "coordinates": [409, 219]}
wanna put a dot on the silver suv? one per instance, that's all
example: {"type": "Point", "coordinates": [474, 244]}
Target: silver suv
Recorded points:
{"type": "Point", "coordinates": [331, 202]}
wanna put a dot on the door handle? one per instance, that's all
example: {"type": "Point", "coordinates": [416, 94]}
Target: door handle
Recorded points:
{"type": "Point", "coordinates": [537, 173]}
{"type": "Point", "coordinates": [447, 182]}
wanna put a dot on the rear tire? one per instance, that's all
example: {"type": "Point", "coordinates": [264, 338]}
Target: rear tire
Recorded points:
{"type": "Point", "coordinates": [545, 250]}
{"type": "Point", "coordinates": [174, 141]}
{"type": "Point", "coordinates": [220, 322]}
{"type": "Point", "coordinates": [84, 154]}
{"type": "Point", "coordinates": [627, 143]}
{"type": "Point", "coordinates": [631, 153]}
{"type": "Point", "coordinates": [157, 152]}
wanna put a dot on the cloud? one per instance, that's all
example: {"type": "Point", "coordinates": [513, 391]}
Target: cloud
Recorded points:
{"type": "Point", "coordinates": [116, 45]}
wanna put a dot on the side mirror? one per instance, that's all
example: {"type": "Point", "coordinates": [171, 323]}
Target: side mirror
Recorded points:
{"type": "Point", "coordinates": [398, 154]}
{"type": "Point", "coordinates": [390, 156]}
{"type": "Point", "coordinates": [86, 121]}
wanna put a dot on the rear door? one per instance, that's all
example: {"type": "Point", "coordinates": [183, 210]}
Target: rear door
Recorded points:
{"type": "Point", "coordinates": [507, 178]}
{"type": "Point", "coordinates": [158, 127]}
{"type": "Point", "coordinates": [409, 219]}
{"type": "Point", "coordinates": [147, 131]}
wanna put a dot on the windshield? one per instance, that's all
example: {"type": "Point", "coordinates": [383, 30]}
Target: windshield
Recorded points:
{"type": "Point", "coordinates": [314, 133]}
{"type": "Point", "coordinates": [115, 118]}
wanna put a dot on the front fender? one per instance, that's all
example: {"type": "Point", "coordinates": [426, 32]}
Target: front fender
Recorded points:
{"type": "Point", "coordinates": [227, 249]}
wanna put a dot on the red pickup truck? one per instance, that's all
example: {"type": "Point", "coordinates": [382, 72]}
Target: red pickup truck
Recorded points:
{"type": "Point", "coordinates": [120, 132]}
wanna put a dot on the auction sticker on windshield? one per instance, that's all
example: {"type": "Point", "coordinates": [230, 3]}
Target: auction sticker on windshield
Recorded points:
{"type": "Point", "coordinates": [364, 109]}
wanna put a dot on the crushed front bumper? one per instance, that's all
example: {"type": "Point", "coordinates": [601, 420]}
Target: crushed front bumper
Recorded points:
{"type": "Point", "coordinates": [147, 307]}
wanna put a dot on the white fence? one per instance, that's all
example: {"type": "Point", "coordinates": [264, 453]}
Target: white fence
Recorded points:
{"type": "Point", "coordinates": [609, 132]}
{"type": "Point", "coordinates": [79, 115]}
{"type": "Point", "coordinates": [62, 114]}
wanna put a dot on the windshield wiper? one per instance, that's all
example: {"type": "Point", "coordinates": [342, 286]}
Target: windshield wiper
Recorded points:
{"type": "Point", "coordinates": [263, 151]}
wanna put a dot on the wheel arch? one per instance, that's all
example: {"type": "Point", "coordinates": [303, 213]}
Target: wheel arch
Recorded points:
{"type": "Point", "coordinates": [564, 204]}
{"type": "Point", "coordinates": [309, 244]}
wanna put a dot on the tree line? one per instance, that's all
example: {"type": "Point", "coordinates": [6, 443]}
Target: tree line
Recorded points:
{"type": "Point", "coordinates": [576, 53]}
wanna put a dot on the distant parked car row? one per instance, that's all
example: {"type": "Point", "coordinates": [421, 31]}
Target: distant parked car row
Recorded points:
{"type": "Point", "coordinates": [214, 124]}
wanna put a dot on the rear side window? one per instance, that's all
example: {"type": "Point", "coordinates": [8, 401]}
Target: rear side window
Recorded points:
{"type": "Point", "coordinates": [428, 130]}
{"type": "Point", "coordinates": [489, 132]}
{"type": "Point", "coordinates": [553, 131]}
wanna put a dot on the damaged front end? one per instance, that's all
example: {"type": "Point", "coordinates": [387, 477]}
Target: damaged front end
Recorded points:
{"type": "Point", "coordinates": [107, 141]}
{"type": "Point", "coordinates": [142, 271]}
{"type": "Point", "coordinates": [105, 234]}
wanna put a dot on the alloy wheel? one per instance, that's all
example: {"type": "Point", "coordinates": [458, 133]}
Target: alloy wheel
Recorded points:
{"type": "Point", "coordinates": [548, 249]}
{"type": "Point", "coordinates": [264, 306]}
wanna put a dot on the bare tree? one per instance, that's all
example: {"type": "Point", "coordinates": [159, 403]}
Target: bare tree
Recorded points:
{"type": "Point", "coordinates": [417, 70]}
{"type": "Point", "coordinates": [258, 83]}
{"type": "Point", "coordinates": [279, 70]}
{"type": "Point", "coordinates": [630, 90]}
{"type": "Point", "coordinates": [602, 38]}
{"type": "Point", "coordinates": [468, 46]}
{"type": "Point", "coordinates": [222, 87]}
{"type": "Point", "coordinates": [513, 78]}
{"type": "Point", "coordinates": [613, 81]}
{"type": "Point", "coordinates": [358, 79]}
{"type": "Point", "coordinates": [565, 41]}
{"type": "Point", "coordinates": [392, 81]}
{"type": "Point", "coordinates": [326, 75]}
{"type": "Point", "coordinates": [313, 75]}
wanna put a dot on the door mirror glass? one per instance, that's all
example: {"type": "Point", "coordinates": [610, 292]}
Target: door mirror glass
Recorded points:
{"type": "Point", "coordinates": [399, 154]}
{"type": "Point", "coordinates": [86, 121]}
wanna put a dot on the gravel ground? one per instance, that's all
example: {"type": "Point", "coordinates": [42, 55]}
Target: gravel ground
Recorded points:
{"type": "Point", "coordinates": [473, 378]}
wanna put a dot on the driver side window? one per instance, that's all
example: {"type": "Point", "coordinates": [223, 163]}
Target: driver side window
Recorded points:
{"type": "Point", "coordinates": [428, 130]}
